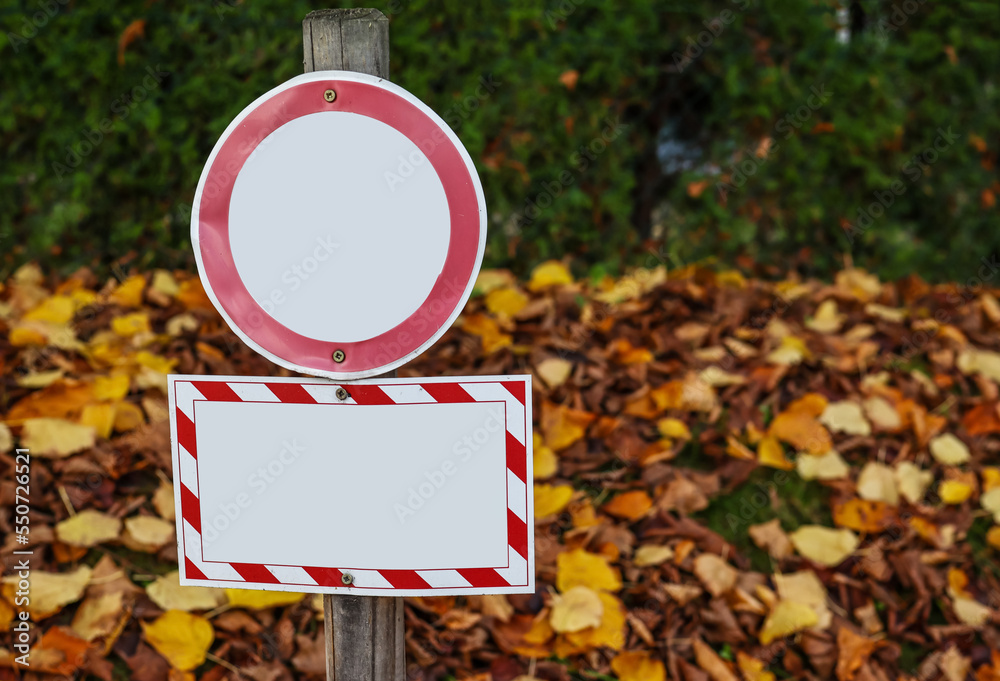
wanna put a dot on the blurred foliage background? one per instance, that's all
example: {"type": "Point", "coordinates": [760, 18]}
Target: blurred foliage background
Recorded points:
{"type": "Point", "coordinates": [767, 136]}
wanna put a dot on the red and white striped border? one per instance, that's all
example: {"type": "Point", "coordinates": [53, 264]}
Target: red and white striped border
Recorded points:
{"type": "Point", "coordinates": [517, 576]}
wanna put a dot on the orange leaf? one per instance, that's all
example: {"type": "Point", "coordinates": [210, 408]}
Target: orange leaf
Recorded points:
{"type": "Point", "coordinates": [59, 652]}
{"type": "Point", "coordinates": [630, 505]}
{"type": "Point", "coordinates": [562, 426]}
{"type": "Point", "coordinates": [132, 32]}
{"type": "Point", "coordinates": [863, 515]}
{"type": "Point", "coordinates": [697, 188]}
{"type": "Point", "coordinates": [801, 430]}
{"type": "Point", "coordinates": [569, 78]}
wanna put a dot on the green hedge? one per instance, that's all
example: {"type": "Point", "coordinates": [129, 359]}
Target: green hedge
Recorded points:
{"type": "Point", "coordinates": [102, 155]}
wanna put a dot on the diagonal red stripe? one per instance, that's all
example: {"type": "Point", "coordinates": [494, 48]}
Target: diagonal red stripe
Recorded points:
{"type": "Point", "coordinates": [190, 507]}
{"type": "Point", "coordinates": [515, 388]}
{"type": "Point", "coordinates": [255, 573]}
{"type": "Point", "coordinates": [483, 577]}
{"type": "Point", "coordinates": [191, 571]}
{"type": "Point", "coordinates": [325, 576]}
{"type": "Point", "coordinates": [517, 458]}
{"type": "Point", "coordinates": [216, 391]}
{"type": "Point", "coordinates": [368, 394]}
{"type": "Point", "coordinates": [186, 435]}
{"type": "Point", "coordinates": [404, 579]}
{"type": "Point", "coordinates": [447, 392]}
{"type": "Point", "coordinates": [517, 534]}
{"type": "Point", "coordinates": [291, 392]}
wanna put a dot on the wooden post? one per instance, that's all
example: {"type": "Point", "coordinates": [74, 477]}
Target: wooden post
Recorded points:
{"type": "Point", "coordinates": [364, 634]}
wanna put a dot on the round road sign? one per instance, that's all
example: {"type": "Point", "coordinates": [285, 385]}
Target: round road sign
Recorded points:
{"type": "Point", "coordinates": [339, 225]}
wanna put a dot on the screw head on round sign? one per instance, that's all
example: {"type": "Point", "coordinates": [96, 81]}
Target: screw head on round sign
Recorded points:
{"type": "Point", "coordinates": [339, 225]}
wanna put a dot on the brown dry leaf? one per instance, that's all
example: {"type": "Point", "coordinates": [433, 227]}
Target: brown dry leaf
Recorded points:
{"type": "Point", "coordinates": [824, 545]}
{"type": "Point", "coordinates": [576, 609]}
{"type": "Point", "coordinates": [772, 538]}
{"type": "Point", "coordinates": [182, 638]}
{"type": "Point", "coordinates": [638, 665]}
{"type": "Point", "coordinates": [954, 665]}
{"type": "Point", "coordinates": [629, 506]}
{"type": "Point", "coordinates": [88, 528]}
{"type": "Point", "coordinates": [562, 426]}
{"type": "Point", "coordinates": [709, 660]}
{"type": "Point", "coordinates": [716, 574]}
{"type": "Point", "coordinates": [853, 651]}
{"type": "Point", "coordinates": [163, 500]}
{"type": "Point", "coordinates": [56, 438]}
{"type": "Point", "coordinates": [99, 616]}
{"type": "Point", "coordinates": [147, 533]}
{"type": "Point", "coordinates": [682, 593]}
{"type": "Point", "coordinates": [802, 431]}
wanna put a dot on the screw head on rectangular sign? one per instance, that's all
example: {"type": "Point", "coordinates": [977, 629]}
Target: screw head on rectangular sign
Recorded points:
{"type": "Point", "coordinates": [400, 487]}
{"type": "Point", "coordinates": [339, 225]}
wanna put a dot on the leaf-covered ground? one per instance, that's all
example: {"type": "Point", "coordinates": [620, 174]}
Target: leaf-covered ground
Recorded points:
{"type": "Point", "coordinates": [734, 479]}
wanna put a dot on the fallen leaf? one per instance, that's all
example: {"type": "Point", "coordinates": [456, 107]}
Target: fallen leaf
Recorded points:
{"type": "Point", "coordinates": [648, 555]}
{"type": "Point", "coordinates": [954, 492]}
{"type": "Point", "coordinates": [99, 616]}
{"type": "Point", "coordinates": [551, 499]}
{"type": "Point", "coordinates": [630, 505]}
{"type": "Point", "coordinates": [802, 431]}
{"type": "Point", "coordinates": [772, 538]}
{"type": "Point", "coordinates": [505, 302]}
{"type": "Point", "coordinates": [912, 481]}
{"type": "Point", "coordinates": [182, 638]}
{"type": "Point", "coordinates": [551, 273]}
{"type": "Point", "coordinates": [167, 592]}
{"type": "Point", "coordinates": [147, 533]}
{"type": "Point", "coordinates": [786, 618]}
{"type": "Point", "coordinates": [88, 528]}
{"type": "Point", "coordinates": [562, 426]}
{"type": "Point", "coordinates": [829, 466]}
{"type": "Point", "coordinates": [752, 668]}
{"type": "Point", "coordinates": [827, 318]}
{"type": "Point", "coordinates": [715, 574]}
{"type": "Point", "coordinates": [554, 371]}
{"type": "Point", "coordinates": [824, 545]}
{"type": "Point", "coordinates": [877, 482]}
{"type": "Point", "coordinates": [577, 608]}
{"type": "Point", "coordinates": [882, 414]}
{"type": "Point", "coordinates": [259, 600]}
{"type": "Point", "coordinates": [845, 417]}
{"type": "Point", "coordinates": [863, 515]}
{"type": "Point", "coordinates": [57, 438]}
{"type": "Point", "coordinates": [853, 650]}
{"type": "Point", "coordinates": [709, 660]}
{"type": "Point", "coordinates": [50, 591]}
{"type": "Point", "coordinates": [949, 450]}
{"type": "Point", "coordinates": [991, 502]}
{"type": "Point", "coordinates": [581, 568]}
{"type": "Point", "coordinates": [638, 665]}
{"type": "Point", "coordinates": [770, 453]}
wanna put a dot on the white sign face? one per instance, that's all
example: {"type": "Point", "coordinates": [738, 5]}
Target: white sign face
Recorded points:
{"type": "Point", "coordinates": [339, 225]}
{"type": "Point", "coordinates": [386, 487]}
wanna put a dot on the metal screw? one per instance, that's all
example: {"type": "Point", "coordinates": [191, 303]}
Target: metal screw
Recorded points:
{"type": "Point", "coordinates": [329, 95]}
{"type": "Point", "coordinates": [347, 578]}
{"type": "Point", "coordinates": [342, 394]}
{"type": "Point", "coordinates": [339, 356]}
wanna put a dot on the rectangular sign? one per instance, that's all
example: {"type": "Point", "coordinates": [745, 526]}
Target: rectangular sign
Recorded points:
{"type": "Point", "coordinates": [385, 487]}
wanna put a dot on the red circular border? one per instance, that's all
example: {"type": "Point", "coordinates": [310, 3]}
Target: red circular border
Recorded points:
{"type": "Point", "coordinates": [448, 291]}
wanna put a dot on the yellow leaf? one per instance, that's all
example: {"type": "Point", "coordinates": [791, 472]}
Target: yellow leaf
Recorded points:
{"type": "Point", "coordinates": [991, 478]}
{"type": "Point", "coordinates": [50, 591]}
{"type": "Point", "coordinates": [129, 293]}
{"type": "Point", "coordinates": [147, 533]}
{"type": "Point", "coordinates": [716, 574]}
{"type": "Point", "coordinates": [611, 631]}
{"type": "Point", "coordinates": [971, 611]}
{"type": "Point", "coordinates": [258, 600]}
{"type": "Point", "coordinates": [801, 430]}
{"type": "Point", "coordinates": [829, 466]}
{"type": "Point", "coordinates": [912, 481]}
{"type": "Point", "coordinates": [991, 502]}
{"type": "Point", "coordinates": [576, 609]}
{"type": "Point", "coordinates": [551, 499]}
{"type": "Point", "coordinates": [549, 273]}
{"type": "Point", "coordinates": [787, 617]}
{"type": "Point", "coordinates": [554, 371]}
{"type": "Point", "coordinates": [24, 335]}
{"type": "Point", "coordinates": [954, 492]}
{"type": "Point", "coordinates": [791, 351]}
{"type": "Point", "coordinates": [168, 593]}
{"type": "Point", "coordinates": [881, 413]}
{"type": "Point", "coordinates": [545, 463]}
{"type": "Point", "coordinates": [770, 453]}
{"type": "Point", "coordinates": [716, 377]}
{"type": "Point", "coordinates": [56, 438]}
{"type": "Point", "coordinates": [182, 638]}
{"type": "Point", "coordinates": [488, 331]}
{"type": "Point", "coordinates": [581, 568]}
{"type": "Point", "coordinates": [993, 537]}
{"type": "Point", "coordinates": [155, 362]}
{"type": "Point", "coordinates": [806, 588]}
{"type": "Point", "coordinates": [53, 310]}
{"type": "Point", "coordinates": [98, 616]}
{"type": "Point", "coordinates": [505, 301]}
{"type": "Point", "coordinates": [163, 501]}
{"type": "Point", "coordinates": [130, 324]}
{"type": "Point", "coordinates": [562, 426]}
{"type": "Point", "coordinates": [164, 283]}
{"type": "Point", "coordinates": [112, 388]}
{"type": "Point", "coordinates": [984, 362]}
{"type": "Point", "coordinates": [40, 379]}
{"type": "Point", "coordinates": [638, 665]}
{"type": "Point", "coordinates": [630, 505]}
{"type": "Point", "coordinates": [752, 668]}
{"type": "Point", "coordinates": [652, 554]}
{"type": "Point", "coordinates": [88, 528]}
{"type": "Point", "coordinates": [824, 545]}
{"type": "Point", "coordinates": [128, 416]}
{"type": "Point", "coordinates": [845, 417]}
{"type": "Point", "coordinates": [673, 428]}
{"type": "Point", "coordinates": [827, 318]}
{"type": "Point", "coordinates": [488, 280]}
{"type": "Point", "coordinates": [877, 482]}
{"type": "Point", "coordinates": [100, 417]}
{"type": "Point", "coordinates": [949, 450]}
